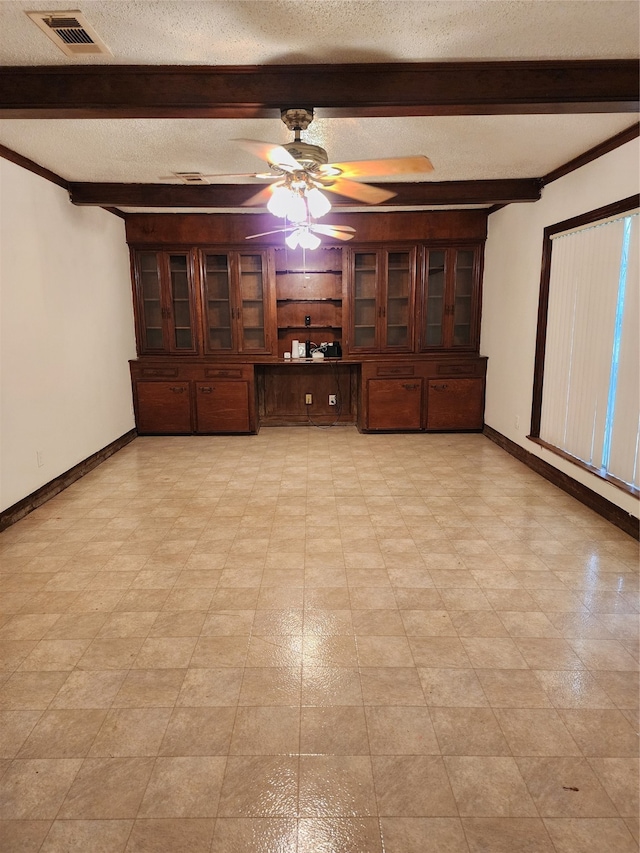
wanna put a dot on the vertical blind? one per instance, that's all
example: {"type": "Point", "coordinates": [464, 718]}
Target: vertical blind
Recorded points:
{"type": "Point", "coordinates": [590, 398]}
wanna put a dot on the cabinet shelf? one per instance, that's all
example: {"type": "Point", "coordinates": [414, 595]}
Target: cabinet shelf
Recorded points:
{"type": "Point", "coordinates": [302, 326]}
{"type": "Point", "coordinates": [308, 272]}
{"type": "Point", "coordinates": [336, 299]}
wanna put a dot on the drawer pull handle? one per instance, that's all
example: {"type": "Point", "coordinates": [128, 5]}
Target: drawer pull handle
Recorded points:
{"type": "Point", "coordinates": [206, 390]}
{"type": "Point", "coordinates": [178, 389]}
{"type": "Point", "coordinates": [439, 387]}
{"type": "Point", "coordinates": [407, 386]}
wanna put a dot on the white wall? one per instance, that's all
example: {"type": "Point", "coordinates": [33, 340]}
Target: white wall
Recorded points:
{"type": "Point", "coordinates": [66, 332]}
{"type": "Point", "coordinates": [511, 288]}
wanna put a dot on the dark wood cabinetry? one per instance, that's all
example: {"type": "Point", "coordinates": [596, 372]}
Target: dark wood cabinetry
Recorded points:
{"type": "Point", "coordinates": [423, 395]}
{"type": "Point", "coordinates": [215, 318]}
{"type": "Point", "coordinates": [163, 292]}
{"type": "Point", "coordinates": [450, 298]}
{"type": "Point", "coordinates": [237, 301]}
{"type": "Point", "coordinates": [199, 398]}
{"type": "Point", "coordinates": [381, 299]}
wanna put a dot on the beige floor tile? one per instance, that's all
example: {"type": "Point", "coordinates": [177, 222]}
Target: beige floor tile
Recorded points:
{"type": "Point", "coordinates": [468, 731]}
{"type": "Point", "coordinates": [333, 730]}
{"type": "Point", "coordinates": [489, 787]}
{"type": "Point", "coordinates": [412, 786]}
{"type": "Point", "coordinates": [590, 835]}
{"type": "Point", "coordinates": [130, 731]}
{"type": "Point", "coordinates": [99, 836]}
{"type": "Point", "coordinates": [620, 779]}
{"type": "Point", "coordinates": [601, 733]}
{"type": "Point", "coordinates": [341, 835]}
{"type": "Point", "coordinates": [149, 688]}
{"type": "Point", "coordinates": [183, 787]}
{"type": "Point", "coordinates": [32, 789]}
{"type": "Point", "coordinates": [398, 730]}
{"type": "Point", "coordinates": [565, 787]}
{"type": "Point", "coordinates": [107, 788]}
{"type": "Point", "coordinates": [573, 689]}
{"type": "Point", "coordinates": [25, 836]}
{"type": "Point", "coordinates": [268, 730]}
{"type": "Point", "coordinates": [331, 685]}
{"type": "Point", "coordinates": [536, 731]}
{"type": "Point", "coordinates": [273, 792]}
{"type": "Point", "coordinates": [31, 691]}
{"type": "Point", "coordinates": [63, 734]}
{"type": "Point", "coordinates": [452, 688]}
{"type": "Point", "coordinates": [336, 786]}
{"type": "Point", "coordinates": [423, 835]}
{"type": "Point", "coordinates": [252, 835]}
{"type": "Point", "coordinates": [212, 652]}
{"type": "Point", "coordinates": [507, 835]}
{"type": "Point", "coordinates": [308, 610]}
{"type": "Point", "coordinates": [15, 727]}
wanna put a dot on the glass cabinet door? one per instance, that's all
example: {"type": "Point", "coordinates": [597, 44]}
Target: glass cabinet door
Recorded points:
{"type": "Point", "coordinates": [217, 302]}
{"type": "Point", "coordinates": [364, 300]}
{"type": "Point", "coordinates": [150, 297]}
{"type": "Point", "coordinates": [252, 303]}
{"type": "Point", "coordinates": [181, 311]}
{"type": "Point", "coordinates": [434, 310]}
{"type": "Point", "coordinates": [396, 311]}
{"type": "Point", "coordinates": [463, 298]}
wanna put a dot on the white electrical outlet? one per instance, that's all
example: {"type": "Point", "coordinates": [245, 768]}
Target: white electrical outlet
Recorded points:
{"type": "Point", "coordinates": [333, 400]}
{"type": "Point", "coordinates": [516, 422]}
{"type": "Point", "coordinates": [39, 458]}
{"type": "Point", "coordinates": [308, 399]}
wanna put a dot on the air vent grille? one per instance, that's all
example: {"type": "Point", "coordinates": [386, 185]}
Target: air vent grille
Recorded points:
{"type": "Point", "coordinates": [70, 31]}
{"type": "Point", "coordinates": [191, 177]}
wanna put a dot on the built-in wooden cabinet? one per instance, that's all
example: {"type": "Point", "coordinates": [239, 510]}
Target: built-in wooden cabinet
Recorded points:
{"type": "Point", "coordinates": [215, 316]}
{"type": "Point", "coordinates": [164, 296]}
{"type": "Point", "coordinates": [450, 298]}
{"type": "Point", "coordinates": [193, 397]}
{"type": "Point", "coordinates": [237, 301]}
{"type": "Point", "coordinates": [381, 285]}
{"type": "Point", "coordinates": [435, 394]}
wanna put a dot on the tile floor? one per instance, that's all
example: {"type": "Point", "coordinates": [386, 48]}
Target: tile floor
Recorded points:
{"type": "Point", "coordinates": [317, 641]}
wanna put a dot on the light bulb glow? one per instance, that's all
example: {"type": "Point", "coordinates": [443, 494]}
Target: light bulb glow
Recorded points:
{"type": "Point", "coordinates": [297, 209]}
{"type": "Point", "coordinates": [278, 204]}
{"type": "Point", "coordinates": [292, 240]}
{"type": "Point", "coordinates": [319, 204]}
{"type": "Point", "coordinates": [308, 240]}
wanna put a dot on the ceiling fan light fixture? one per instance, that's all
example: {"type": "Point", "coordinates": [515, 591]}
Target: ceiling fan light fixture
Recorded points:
{"type": "Point", "coordinates": [306, 239]}
{"type": "Point", "coordinates": [279, 202]}
{"type": "Point", "coordinates": [319, 204]}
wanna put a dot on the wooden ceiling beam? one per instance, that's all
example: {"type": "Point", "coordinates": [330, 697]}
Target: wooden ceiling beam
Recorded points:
{"type": "Point", "coordinates": [353, 90]}
{"type": "Point", "coordinates": [227, 196]}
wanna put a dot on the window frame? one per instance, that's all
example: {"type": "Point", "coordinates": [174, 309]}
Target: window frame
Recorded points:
{"type": "Point", "coordinates": [615, 209]}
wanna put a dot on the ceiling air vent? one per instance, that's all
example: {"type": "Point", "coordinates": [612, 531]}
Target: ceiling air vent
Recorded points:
{"type": "Point", "coordinates": [191, 177]}
{"type": "Point", "coordinates": [71, 32]}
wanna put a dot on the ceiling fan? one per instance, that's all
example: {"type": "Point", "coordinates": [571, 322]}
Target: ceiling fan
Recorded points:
{"type": "Point", "coordinates": [300, 173]}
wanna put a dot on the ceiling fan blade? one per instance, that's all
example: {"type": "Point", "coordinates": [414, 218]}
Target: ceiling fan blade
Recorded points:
{"type": "Point", "coordinates": [340, 232]}
{"type": "Point", "coordinates": [360, 192]}
{"type": "Point", "coordinates": [261, 198]}
{"type": "Point", "coordinates": [266, 233]}
{"type": "Point", "coordinates": [385, 166]}
{"type": "Point", "coordinates": [275, 155]}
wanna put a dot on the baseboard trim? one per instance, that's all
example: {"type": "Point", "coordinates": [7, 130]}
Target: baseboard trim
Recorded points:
{"type": "Point", "coordinates": [19, 510]}
{"type": "Point", "coordinates": [608, 510]}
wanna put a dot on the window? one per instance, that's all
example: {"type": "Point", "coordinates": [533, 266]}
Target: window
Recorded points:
{"type": "Point", "coordinates": [586, 402]}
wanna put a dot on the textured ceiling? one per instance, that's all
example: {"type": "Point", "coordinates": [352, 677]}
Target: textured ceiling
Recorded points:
{"type": "Point", "coordinates": [320, 31]}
